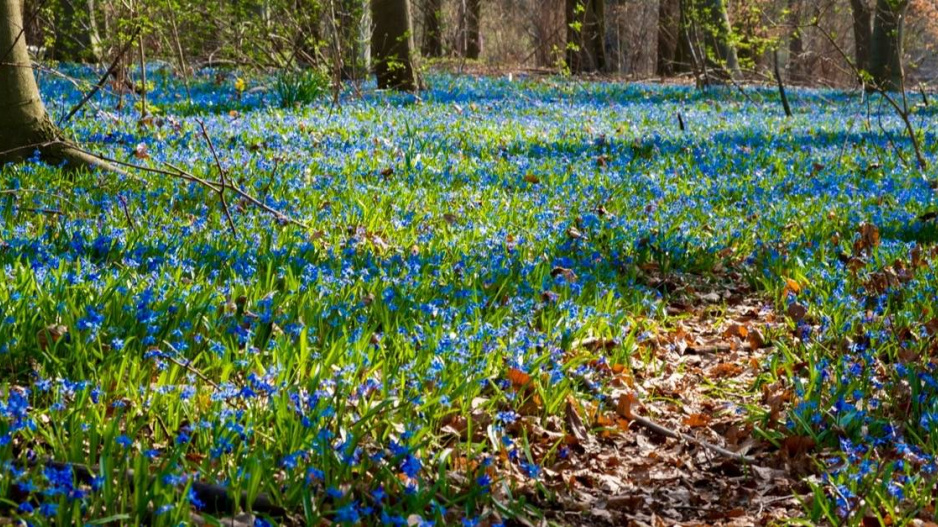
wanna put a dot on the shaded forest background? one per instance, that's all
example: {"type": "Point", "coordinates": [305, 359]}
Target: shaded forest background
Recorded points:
{"type": "Point", "coordinates": [812, 38]}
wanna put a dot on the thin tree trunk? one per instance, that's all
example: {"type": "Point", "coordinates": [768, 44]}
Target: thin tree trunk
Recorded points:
{"type": "Point", "coordinates": [886, 44]}
{"type": "Point", "coordinates": [586, 35]}
{"type": "Point", "coordinates": [473, 29]}
{"type": "Point", "coordinates": [392, 45]}
{"type": "Point", "coordinates": [432, 44]}
{"type": "Point", "coordinates": [862, 32]}
{"type": "Point", "coordinates": [669, 27]}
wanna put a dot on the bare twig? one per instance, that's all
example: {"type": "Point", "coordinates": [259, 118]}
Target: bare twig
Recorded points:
{"type": "Point", "coordinates": [104, 78]}
{"type": "Point", "coordinates": [221, 175]}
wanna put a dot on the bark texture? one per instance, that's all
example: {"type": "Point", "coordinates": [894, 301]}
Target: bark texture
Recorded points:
{"type": "Point", "coordinates": [586, 35]}
{"type": "Point", "coordinates": [432, 44]}
{"type": "Point", "coordinates": [392, 45]}
{"type": "Point", "coordinates": [669, 30]}
{"type": "Point", "coordinates": [886, 44]}
{"type": "Point", "coordinates": [796, 63]}
{"type": "Point", "coordinates": [26, 126]}
{"type": "Point", "coordinates": [862, 32]}
{"type": "Point", "coordinates": [473, 29]}
{"type": "Point", "coordinates": [25, 120]}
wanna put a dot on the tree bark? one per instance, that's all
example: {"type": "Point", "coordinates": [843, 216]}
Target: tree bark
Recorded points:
{"type": "Point", "coordinates": [473, 29]}
{"type": "Point", "coordinates": [796, 66]}
{"type": "Point", "coordinates": [392, 45]}
{"type": "Point", "coordinates": [862, 32]}
{"type": "Point", "coordinates": [432, 44]}
{"type": "Point", "coordinates": [886, 44]}
{"type": "Point", "coordinates": [76, 36]}
{"type": "Point", "coordinates": [669, 28]}
{"type": "Point", "coordinates": [586, 35]}
{"type": "Point", "coordinates": [26, 125]}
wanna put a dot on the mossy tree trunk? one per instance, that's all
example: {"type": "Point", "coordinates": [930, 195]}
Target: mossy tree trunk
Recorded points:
{"type": "Point", "coordinates": [26, 125]}
{"type": "Point", "coordinates": [473, 29]}
{"type": "Point", "coordinates": [432, 43]}
{"type": "Point", "coordinates": [76, 32]}
{"type": "Point", "coordinates": [886, 44]}
{"type": "Point", "coordinates": [392, 45]}
{"type": "Point", "coordinates": [586, 35]}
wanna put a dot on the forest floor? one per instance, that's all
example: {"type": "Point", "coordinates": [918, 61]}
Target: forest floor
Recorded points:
{"type": "Point", "coordinates": [508, 301]}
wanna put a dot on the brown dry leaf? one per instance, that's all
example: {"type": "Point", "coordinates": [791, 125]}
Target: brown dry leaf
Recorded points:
{"type": "Point", "coordinates": [736, 330]}
{"type": "Point", "coordinates": [725, 369]}
{"type": "Point", "coordinates": [869, 238]}
{"type": "Point", "coordinates": [697, 420]}
{"type": "Point", "coordinates": [49, 335]}
{"type": "Point", "coordinates": [531, 178]}
{"type": "Point", "coordinates": [518, 378]}
{"type": "Point", "coordinates": [756, 339]}
{"type": "Point", "coordinates": [792, 286]}
{"type": "Point", "coordinates": [624, 404]}
{"type": "Point", "coordinates": [575, 422]}
{"type": "Point", "coordinates": [797, 311]}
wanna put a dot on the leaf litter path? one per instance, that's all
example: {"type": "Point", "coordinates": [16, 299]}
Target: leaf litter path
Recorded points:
{"type": "Point", "coordinates": [699, 372]}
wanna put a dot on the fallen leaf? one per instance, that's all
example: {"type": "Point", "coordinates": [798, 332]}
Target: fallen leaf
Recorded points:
{"type": "Point", "coordinates": [697, 420]}
{"type": "Point", "coordinates": [518, 378]}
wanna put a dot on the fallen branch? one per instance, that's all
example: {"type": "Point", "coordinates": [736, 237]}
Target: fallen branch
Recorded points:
{"type": "Point", "coordinates": [667, 432]}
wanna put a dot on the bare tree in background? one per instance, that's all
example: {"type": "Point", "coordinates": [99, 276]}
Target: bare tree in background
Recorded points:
{"type": "Point", "coordinates": [669, 28]}
{"type": "Point", "coordinates": [473, 29]}
{"type": "Point", "coordinates": [432, 43]}
{"type": "Point", "coordinates": [886, 44]}
{"type": "Point", "coordinates": [392, 45]}
{"type": "Point", "coordinates": [586, 35]}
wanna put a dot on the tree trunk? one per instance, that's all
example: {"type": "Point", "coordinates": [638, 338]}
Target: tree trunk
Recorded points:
{"type": "Point", "coordinates": [26, 125]}
{"type": "Point", "coordinates": [796, 69]}
{"type": "Point", "coordinates": [586, 35]}
{"type": "Point", "coordinates": [712, 20]}
{"type": "Point", "coordinates": [432, 45]}
{"type": "Point", "coordinates": [886, 44]}
{"type": "Point", "coordinates": [473, 29]}
{"type": "Point", "coordinates": [862, 32]}
{"type": "Point", "coordinates": [392, 45]}
{"type": "Point", "coordinates": [669, 27]}
{"type": "Point", "coordinates": [75, 33]}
